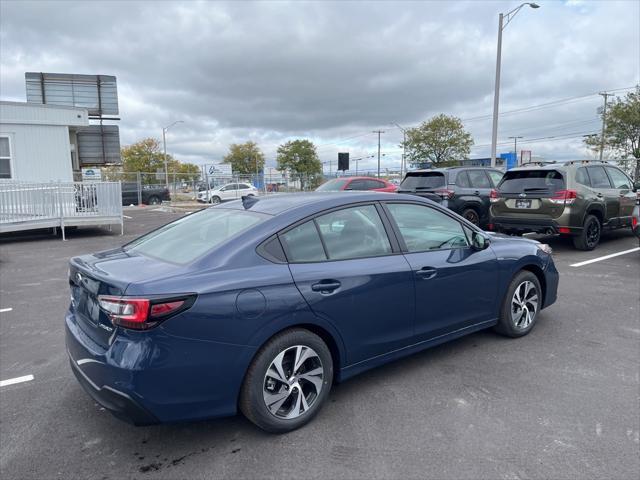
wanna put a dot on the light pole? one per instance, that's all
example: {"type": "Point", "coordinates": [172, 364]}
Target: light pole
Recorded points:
{"type": "Point", "coordinates": [379, 132]}
{"type": "Point", "coordinates": [164, 147]}
{"type": "Point", "coordinates": [404, 140]}
{"type": "Point", "coordinates": [502, 24]}
{"type": "Point", "coordinates": [515, 146]}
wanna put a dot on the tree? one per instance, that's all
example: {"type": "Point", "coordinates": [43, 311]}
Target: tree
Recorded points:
{"type": "Point", "coordinates": [441, 140]}
{"type": "Point", "coordinates": [146, 156]}
{"type": "Point", "coordinates": [622, 133]}
{"type": "Point", "coordinates": [245, 158]}
{"type": "Point", "coordinates": [301, 159]}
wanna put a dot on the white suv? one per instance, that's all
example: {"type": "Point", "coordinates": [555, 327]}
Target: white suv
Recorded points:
{"type": "Point", "coordinates": [230, 191]}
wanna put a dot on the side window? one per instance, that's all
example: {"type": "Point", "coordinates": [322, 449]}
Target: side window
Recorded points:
{"type": "Point", "coordinates": [582, 177]}
{"type": "Point", "coordinates": [303, 244]}
{"type": "Point", "coordinates": [619, 179]}
{"type": "Point", "coordinates": [243, 186]}
{"type": "Point", "coordinates": [357, 185]}
{"type": "Point", "coordinates": [598, 177]}
{"type": "Point", "coordinates": [354, 232]}
{"type": "Point", "coordinates": [495, 177]}
{"type": "Point", "coordinates": [462, 180]}
{"type": "Point", "coordinates": [478, 179]}
{"type": "Point", "coordinates": [373, 184]}
{"type": "Point", "coordinates": [424, 228]}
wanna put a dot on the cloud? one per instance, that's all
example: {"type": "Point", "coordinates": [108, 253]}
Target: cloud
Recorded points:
{"type": "Point", "coordinates": [271, 71]}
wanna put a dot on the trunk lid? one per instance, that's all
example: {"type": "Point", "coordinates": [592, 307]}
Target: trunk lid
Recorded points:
{"type": "Point", "coordinates": [528, 193]}
{"type": "Point", "coordinates": [107, 273]}
{"type": "Point", "coordinates": [424, 184]}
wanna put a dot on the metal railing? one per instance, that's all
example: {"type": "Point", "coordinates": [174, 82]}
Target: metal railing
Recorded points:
{"type": "Point", "coordinates": [26, 206]}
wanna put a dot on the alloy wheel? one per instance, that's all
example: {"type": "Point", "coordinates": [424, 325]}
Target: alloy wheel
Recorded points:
{"type": "Point", "coordinates": [472, 216]}
{"type": "Point", "coordinates": [593, 233]}
{"type": "Point", "coordinates": [524, 305]}
{"type": "Point", "coordinates": [293, 382]}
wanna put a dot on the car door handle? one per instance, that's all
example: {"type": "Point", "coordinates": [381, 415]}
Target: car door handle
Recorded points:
{"type": "Point", "coordinates": [599, 195]}
{"type": "Point", "coordinates": [477, 192]}
{"type": "Point", "coordinates": [326, 286]}
{"type": "Point", "coordinates": [427, 272]}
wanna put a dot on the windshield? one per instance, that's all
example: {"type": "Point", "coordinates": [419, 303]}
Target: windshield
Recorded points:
{"type": "Point", "coordinates": [332, 185]}
{"type": "Point", "coordinates": [422, 181]}
{"type": "Point", "coordinates": [531, 181]}
{"type": "Point", "coordinates": [186, 239]}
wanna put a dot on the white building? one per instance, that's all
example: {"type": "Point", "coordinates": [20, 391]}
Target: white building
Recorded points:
{"type": "Point", "coordinates": [38, 143]}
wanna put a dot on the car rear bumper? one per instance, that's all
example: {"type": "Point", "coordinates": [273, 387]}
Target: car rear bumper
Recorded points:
{"type": "Point", "coordinates": [529, 225]}
{"type": "Point", "coordinates": [150, 377]}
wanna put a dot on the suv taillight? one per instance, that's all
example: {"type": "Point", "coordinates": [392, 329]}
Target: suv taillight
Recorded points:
{"type": "Point", "coordinates": [142, 313]}
{"type": "Point", "coordinates": [564, 197]}
{"type": "Point", "coordinates": [445, 193]}
{"type": "Point", "coordinates": [494, 196]}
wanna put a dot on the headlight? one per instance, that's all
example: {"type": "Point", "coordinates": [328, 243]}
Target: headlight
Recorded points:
{"type": "Point", "coordinates": [545, 248]}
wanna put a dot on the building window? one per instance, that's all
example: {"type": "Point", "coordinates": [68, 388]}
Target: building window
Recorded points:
{"type": "Point", "coordinates": [5, 157]}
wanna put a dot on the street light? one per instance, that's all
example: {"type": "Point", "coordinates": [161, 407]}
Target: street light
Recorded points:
{"type": "Point", "coordinates": [164, 147]}
{"type": "Point", "coordinates": [502, 24]}
{"type": "Point", "coordinates": [404, 140]}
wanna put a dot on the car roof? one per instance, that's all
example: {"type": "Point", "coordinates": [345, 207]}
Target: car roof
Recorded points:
{"type": "Point", "coordinates": [560, 165]}
{"type": "Point", "coordinates": [310, 202]}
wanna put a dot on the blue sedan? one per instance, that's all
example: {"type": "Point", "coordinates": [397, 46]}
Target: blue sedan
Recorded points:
{"type": "Point", "coordinates": [262, 303]}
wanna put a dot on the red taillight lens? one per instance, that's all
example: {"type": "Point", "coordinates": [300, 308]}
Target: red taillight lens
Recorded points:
{"type": "Point", "coordinates": [634, 222]}
{"type": "Point", "coordinates": [445, 193]}
{"type": "Point", "coordinates": [566, 197]}
{"type": "Point", "coordinates": [494, 196]}
{"type": "Point", "coordinates": [140, 313]}
{"type": "Point", "coordinates": [564, 230]}
{"type": "Point", "coordinates": [490, 226]}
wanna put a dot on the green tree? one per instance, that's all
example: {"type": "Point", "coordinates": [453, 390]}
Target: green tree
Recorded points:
{"type": "Point", "coordinates": [301, 159]}
{"type": "Point", "coordinates": [146, 156]}
{"type": "Point", "coordinates": [622, 133]}
{"type": "Point", "coordinates": [245, 158]}
{"type": "Point", "coordinates": [442, 140]}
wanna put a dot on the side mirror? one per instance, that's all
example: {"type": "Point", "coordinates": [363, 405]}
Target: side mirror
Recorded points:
{"type": "Point", "coordinates": [479, 241]}
{"type": "Point", "coordinates": [636, 186]}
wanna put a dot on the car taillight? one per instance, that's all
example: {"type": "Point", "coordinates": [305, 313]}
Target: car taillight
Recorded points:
{"type": "Point", "coordinates": [494, 196]}
{"type": "Point", "coordinates": [142, 313]}
{"type": "Point", "coordinates": [445, 193]}
{"type": "Point", "coordinates": [566, 197]}
{"type": "Point", "coordinates": [634, 222]}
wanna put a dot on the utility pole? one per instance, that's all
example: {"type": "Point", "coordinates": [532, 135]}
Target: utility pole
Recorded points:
{"type": "Point", "coordinates": [403, 163]}
{"type": "Point", "coordinates": [515, 147]}
{"type": "Point", "coordinates": [379, 132]}
{"type": "Point", "coordinates": [604, 121]}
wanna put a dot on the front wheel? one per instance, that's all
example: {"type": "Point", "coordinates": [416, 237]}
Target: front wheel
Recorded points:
{"type": "Point", "coordinates": [288, 381]}
{"type": "Point", "coordinates": [153, 200]}
{"type": "Point", "coordinates": [215, 200]}
{"type": "Point", "coordinates": [520, 306]}
{"type": "Point", "coordinates": [589, 237]}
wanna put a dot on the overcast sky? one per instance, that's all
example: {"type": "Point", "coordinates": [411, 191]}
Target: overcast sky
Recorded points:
{"type": "Point", "coordinates": [332, 71]}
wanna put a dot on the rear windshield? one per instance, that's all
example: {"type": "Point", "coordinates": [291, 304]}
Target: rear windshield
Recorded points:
{"type": "Point", "coordinates": [332, 186]}
{"type": "Point", "coordinates": [531, 181]}
{"type": "Point", "coordinates": [186, 239]}
{"type": "Point", "coordinates": [422, 181]}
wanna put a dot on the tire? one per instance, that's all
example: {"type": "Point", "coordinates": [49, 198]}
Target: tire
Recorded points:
{"type": "Point", "coordinates": [471, 215]}
{"type": "Point", "coordinates": [524, 290]}
{"type": "Point", "coordinates": [589, 237]}
{"type": "Point", "coordinates": [153, 200]}
{"type": "Point", "coordinates": [263, 383]}
{"type": "Point", "coordinates": [215, 200]}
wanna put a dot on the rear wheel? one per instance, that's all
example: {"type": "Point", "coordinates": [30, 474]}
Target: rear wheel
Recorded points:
{"type": "Point", "coordinates": [215, 200]}
{"type": "Point", "coordinates": [153, 200]}
{"type": "Point", "coordinates": [471, 215]}
{"type": "Point", "coordinates": [520, 306]}
{"type": "Point", "coordinates": [288, 381]}
{"type": "Point", "coordinates": [589, 237]}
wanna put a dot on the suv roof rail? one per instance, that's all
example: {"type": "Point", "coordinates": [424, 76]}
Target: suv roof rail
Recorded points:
{"type": "Point", "coordinates": [577, 162]}
{"type": "Point", "coordinates": [539, 162]}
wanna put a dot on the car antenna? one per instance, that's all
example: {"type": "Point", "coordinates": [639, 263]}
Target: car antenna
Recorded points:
{"type": "Point", "coordinates": [249, 201]}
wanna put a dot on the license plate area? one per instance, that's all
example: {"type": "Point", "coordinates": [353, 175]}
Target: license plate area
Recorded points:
{"type": "Point", "coordinates": [523, 203]}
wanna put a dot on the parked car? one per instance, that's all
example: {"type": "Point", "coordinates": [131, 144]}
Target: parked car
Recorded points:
{"type": "Point", "coordinates": [230, 191]}
{"type": "Point", "coordinates": [261, 304]}
{"type": "Point", "coordinates": [150, 194]}
{"type": "Point", "coordinates": [578, 198]}
{"type": "Point", "coordinates": [465, 190]}
{"type": "Point", "coordinates": [635, 217]}
{"type": "Point", "coordinates": [357, 184]}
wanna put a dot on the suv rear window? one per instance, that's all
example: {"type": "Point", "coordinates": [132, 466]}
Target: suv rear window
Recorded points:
{"type": "Point", "coordinates": [422, 181]}
{"type": "Point", "coordinates": [533, 181]}
{"type": "Point", "coordinates": [186, 239]}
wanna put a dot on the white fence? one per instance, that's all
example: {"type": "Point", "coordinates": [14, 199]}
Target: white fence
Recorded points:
{"type": "Point", "coordinates": [26, 206]}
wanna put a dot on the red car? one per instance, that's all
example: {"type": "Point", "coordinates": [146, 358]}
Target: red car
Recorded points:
{"type": "Point", "coordinates": [357, 183]}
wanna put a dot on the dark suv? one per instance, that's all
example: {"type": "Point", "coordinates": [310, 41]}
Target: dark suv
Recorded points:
{"type": "Point", "coordinates": [465, 190]}
{"type": "Point", "coordinates": [578, 198]}
{"type": "Point", "coordinates": [149, 194]}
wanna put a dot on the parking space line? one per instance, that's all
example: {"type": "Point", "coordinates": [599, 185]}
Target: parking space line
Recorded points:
{"type": "Point", "coordinates": [13, 381]}
{"type": "Point", "coordinates": [3, 310]}
{"type": "Point", "coordinates": [606, 257]}
{"type": "Point", "coordinates": [127, 216]}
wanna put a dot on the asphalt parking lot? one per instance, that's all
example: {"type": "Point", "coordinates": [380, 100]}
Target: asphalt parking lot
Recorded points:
{"type": "Point", "coordinates": [563, 402]}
